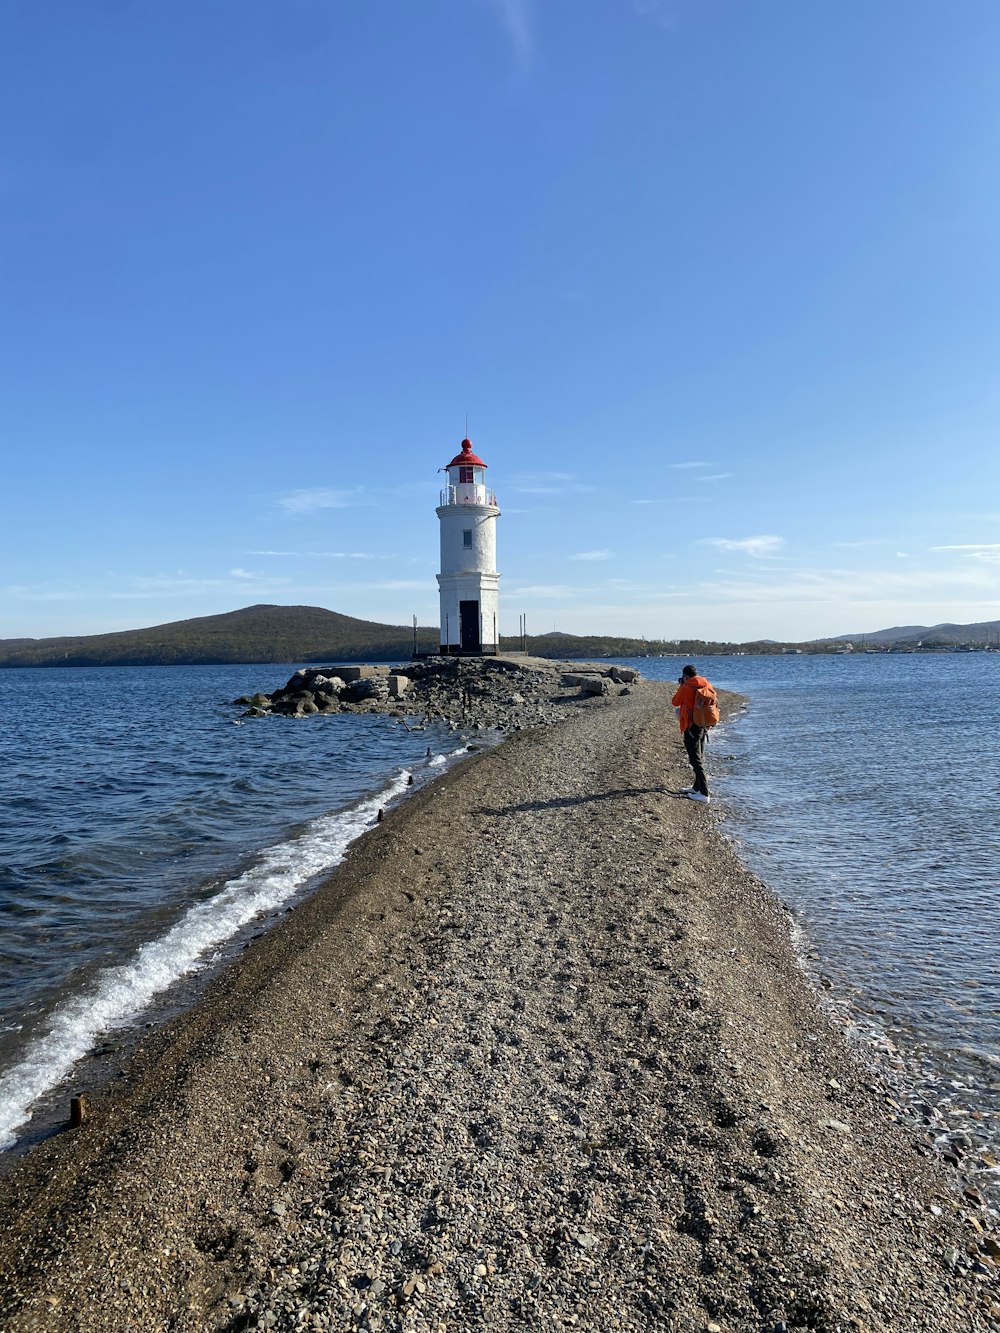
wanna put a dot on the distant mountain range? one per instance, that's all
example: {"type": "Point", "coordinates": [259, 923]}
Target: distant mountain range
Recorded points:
{"type": "Point", "coordinates": [312, 634]}
{"type": "Point", "coordinates": [254, 634]}
{"type": "Point", "coordinates": [930, 636]}
{"type": "Point", "coordinates": [292, 634]}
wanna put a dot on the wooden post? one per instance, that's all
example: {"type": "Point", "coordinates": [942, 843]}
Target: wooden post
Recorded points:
{"type": "Point", "coordinates": [79, 1110]}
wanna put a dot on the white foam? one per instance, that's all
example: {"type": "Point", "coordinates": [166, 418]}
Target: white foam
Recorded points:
{"type": "Point", "coordinates": [119, 994]}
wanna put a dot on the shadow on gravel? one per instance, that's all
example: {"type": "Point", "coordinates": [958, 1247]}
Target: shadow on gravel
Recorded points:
{"type": "Point", "coordinates": [563, 801]}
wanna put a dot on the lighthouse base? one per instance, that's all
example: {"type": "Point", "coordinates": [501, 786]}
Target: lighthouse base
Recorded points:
{"type": "Point", "coordinates": [456, 650]}
{"type": "Point", "coordinates": [469, 606]}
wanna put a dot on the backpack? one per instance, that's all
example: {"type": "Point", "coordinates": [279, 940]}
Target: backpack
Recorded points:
{"type": "Point", "coordinates": [705, 710]}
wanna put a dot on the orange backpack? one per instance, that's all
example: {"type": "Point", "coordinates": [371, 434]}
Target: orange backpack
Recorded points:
{"type": "Point", "coordinates": [705, 710]}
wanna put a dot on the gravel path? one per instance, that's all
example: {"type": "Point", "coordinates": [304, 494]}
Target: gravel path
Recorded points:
{"type": "Point", "coordinates": [538, 1056]}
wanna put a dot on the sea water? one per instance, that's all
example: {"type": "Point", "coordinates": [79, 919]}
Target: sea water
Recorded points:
{"type": "Point", "coordinates": [144, 826]}
{"type": "Point", "coordinates": [865, 790]}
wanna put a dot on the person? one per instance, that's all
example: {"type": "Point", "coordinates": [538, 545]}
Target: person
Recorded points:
{"type": "Point", "coordinates": [694, 736]}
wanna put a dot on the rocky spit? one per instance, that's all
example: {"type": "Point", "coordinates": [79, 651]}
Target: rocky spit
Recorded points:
{"type": "Point", "coordinates": [507, 693]}
{"type": "Point", "coordinates": [539, 1055]}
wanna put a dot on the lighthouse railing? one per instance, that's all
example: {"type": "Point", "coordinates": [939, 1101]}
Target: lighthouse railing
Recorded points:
{"type": "Point", "coordinates": [468, 494]}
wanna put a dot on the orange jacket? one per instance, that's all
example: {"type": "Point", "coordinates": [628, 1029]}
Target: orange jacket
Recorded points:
{"type": "Point", "coordinates": [684, 698]}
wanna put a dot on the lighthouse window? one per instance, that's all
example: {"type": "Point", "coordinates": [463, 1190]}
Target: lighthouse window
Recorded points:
{"type": "Point", "coordinates": [466, 474]}
{"type": "Point", "coordinates": [467, 537]}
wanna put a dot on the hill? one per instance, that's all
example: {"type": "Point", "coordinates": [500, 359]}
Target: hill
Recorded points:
{"type": "Point", "coordinates": [254, 634]}
{"type": "Point", "coordinates": [304, 634]}
{"type": "Point", "coordinates": [930, 636]}
{"type": "Point", "coordinates": [312, 634]}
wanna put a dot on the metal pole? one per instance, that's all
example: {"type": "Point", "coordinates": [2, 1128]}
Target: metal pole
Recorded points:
{"type": "Point", "coordinates": [414, 636]}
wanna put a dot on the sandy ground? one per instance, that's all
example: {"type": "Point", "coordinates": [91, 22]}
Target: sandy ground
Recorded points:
{"type": "Point", "coordinates": [539, 1055]}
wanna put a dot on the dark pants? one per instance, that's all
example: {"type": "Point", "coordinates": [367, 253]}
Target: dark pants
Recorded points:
{"type": "Point", "coordinates": [694, 743]}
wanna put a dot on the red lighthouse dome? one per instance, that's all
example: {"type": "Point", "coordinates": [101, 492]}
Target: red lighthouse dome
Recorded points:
{"type": "Point", "coordinates": [466, 458]}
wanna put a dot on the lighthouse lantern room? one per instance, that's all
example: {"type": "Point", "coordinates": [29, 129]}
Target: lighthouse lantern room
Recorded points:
{"type": "Point", "coordinates": [468, 582]}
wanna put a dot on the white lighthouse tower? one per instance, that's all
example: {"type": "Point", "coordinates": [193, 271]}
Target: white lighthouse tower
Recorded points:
{"type": "Point", "coordinates": [469, 582]}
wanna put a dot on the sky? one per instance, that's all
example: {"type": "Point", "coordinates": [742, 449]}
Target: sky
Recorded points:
{"type": "Point", "coordinates": [716, 285]}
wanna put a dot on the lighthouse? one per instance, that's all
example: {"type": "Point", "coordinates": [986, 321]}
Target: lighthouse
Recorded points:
{"type": "Point", "coordinates": [469, 582]}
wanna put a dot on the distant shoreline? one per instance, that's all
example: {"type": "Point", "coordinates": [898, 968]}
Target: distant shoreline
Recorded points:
{"type": "Point", "coordinates": [315, 636]}
{"type": "Point", "coordinates": [400, 659]}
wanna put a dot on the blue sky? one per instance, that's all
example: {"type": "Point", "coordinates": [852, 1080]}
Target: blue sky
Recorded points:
{"type": "Point", "coordinates": [717, 283]}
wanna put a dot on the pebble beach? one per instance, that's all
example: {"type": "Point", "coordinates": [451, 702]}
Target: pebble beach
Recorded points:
{"type": "Point", "coordinates": [540, 1054]}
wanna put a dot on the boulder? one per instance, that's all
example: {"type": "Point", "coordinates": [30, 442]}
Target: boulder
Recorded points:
{"type": "Point", "coordinates": [361, 672]}
{"type": "Point", "coordinates": [623, 675]}
{"type": "Point", "coordinates": [590, 682]}
{"type": "Point", "coordinates": [356, 691]}
{"type": "Point", "coordinates": [398, 686]}
{"type": "Point", "coordinates": [595, 685]}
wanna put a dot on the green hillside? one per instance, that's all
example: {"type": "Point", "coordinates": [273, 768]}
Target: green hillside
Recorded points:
{"type": "Point", "coordinates": [254, 634]}
{"type": "Point", "coordinates": [303, 634]}
{"type": "Point", "coordinates": [312, 634]}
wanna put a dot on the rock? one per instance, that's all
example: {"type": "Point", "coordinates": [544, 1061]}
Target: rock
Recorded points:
{"type": "Point", "coordinates": [398, 686]}
{"type": "Point", "coordinates": [838, 1125]}
{"type": "Point", "coordinates": [623, 675]}
{"type": "Point", "coordinates": [368, 687]}
{"type": "Point", "coordinates": [596, 685]}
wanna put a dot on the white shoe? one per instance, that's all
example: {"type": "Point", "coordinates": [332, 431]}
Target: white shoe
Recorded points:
{"type": "Point", "coordinates": [697, 796]}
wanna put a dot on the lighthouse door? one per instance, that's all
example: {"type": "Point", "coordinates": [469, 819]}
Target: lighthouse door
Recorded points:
{"type": "Point", "coordinates": [469, 614]}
